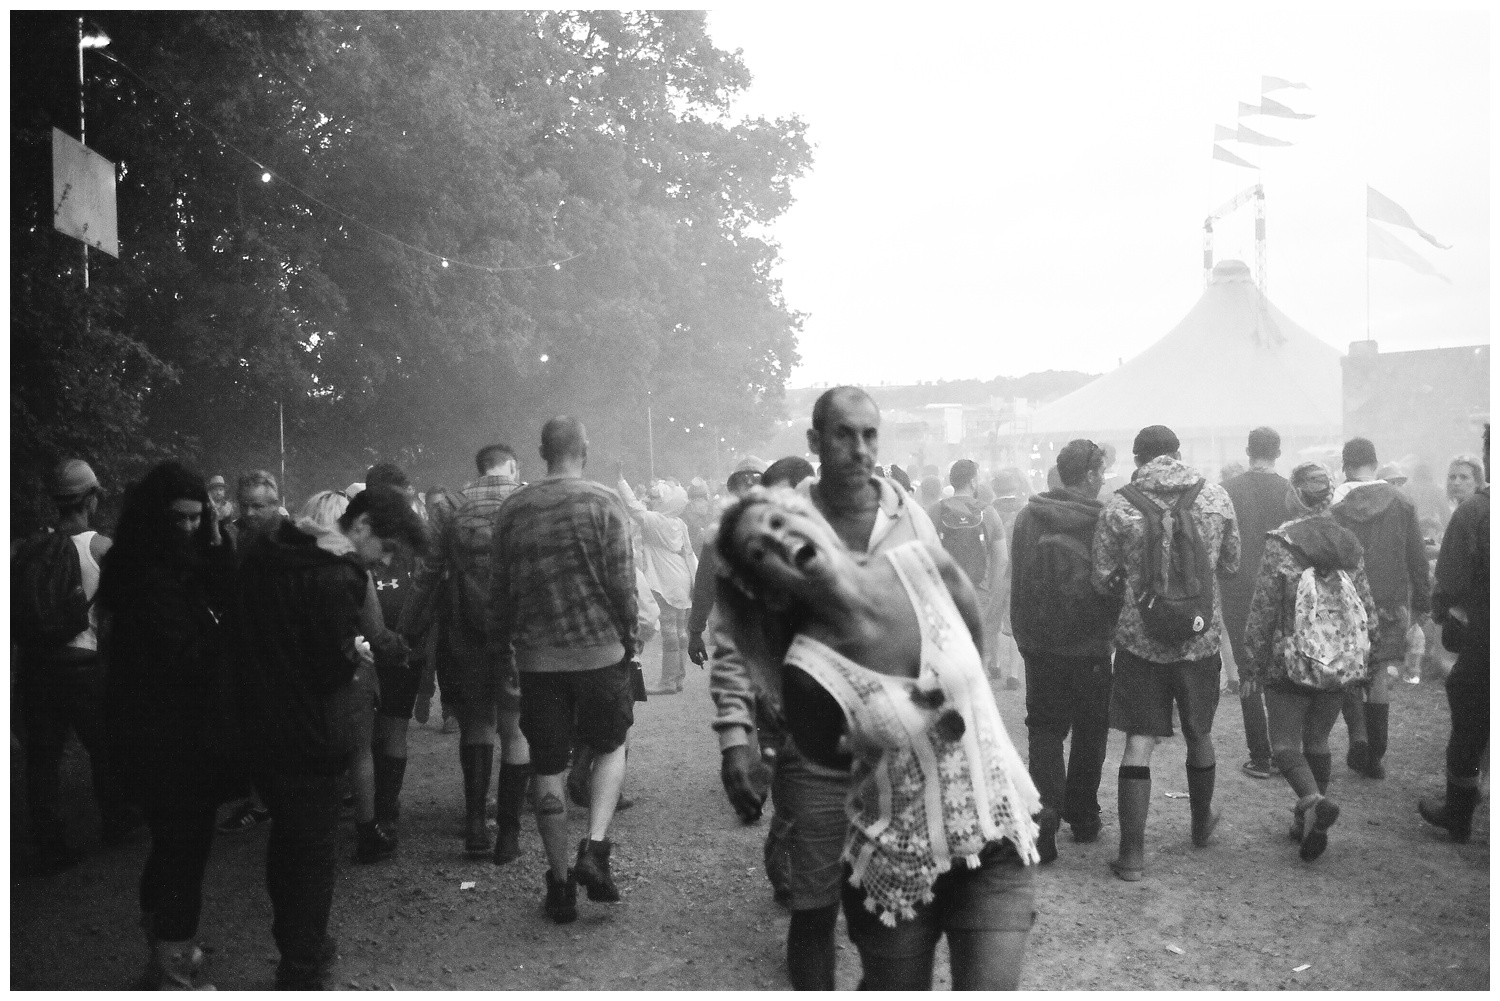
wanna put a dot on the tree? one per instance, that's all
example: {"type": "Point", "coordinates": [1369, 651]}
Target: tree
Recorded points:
{"type": "Point", "coordinates": [454, 196]}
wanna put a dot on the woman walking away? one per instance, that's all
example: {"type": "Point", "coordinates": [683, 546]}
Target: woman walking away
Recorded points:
{"type": "Point", "coordinates": [165, 587]}
{"type": "Point", "coordinates": [881, 665]}
{"type": "Point", "coordinates": [1311, 628]}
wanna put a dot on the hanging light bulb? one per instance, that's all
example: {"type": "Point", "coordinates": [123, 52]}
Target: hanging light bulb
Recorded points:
{"type": "Point", "coordinates": [445, 262]}
{"type": "Point", "coordinates": [266, 177]}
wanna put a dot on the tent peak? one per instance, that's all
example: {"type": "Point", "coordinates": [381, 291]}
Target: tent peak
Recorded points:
{"type": "Point", "coordinates": [1230, 271]}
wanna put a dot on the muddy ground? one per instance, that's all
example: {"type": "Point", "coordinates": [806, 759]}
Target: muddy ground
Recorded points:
{"type": "Point", "coordinates": [1392, 905]}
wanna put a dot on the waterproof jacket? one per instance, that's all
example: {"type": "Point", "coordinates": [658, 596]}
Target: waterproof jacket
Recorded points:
{"type": "Point", "coordinates": [164, 651]}
{"type": "Point", "coordinates": [1386, 524]}
{"type": "Point", "coordinates": [1463, 580]}
{"type": "Point", "coordinates": [1119, 555]}
{"type": "Point", "coordinates": [300, 594]}
{"type": "Point", "coordinates": [1318, 542]}
{"type": "Point", "coordinates": [1075, 516]}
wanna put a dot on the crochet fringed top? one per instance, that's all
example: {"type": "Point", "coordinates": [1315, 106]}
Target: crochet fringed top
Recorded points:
{"type": "Point", "coordinates": [927, 792]}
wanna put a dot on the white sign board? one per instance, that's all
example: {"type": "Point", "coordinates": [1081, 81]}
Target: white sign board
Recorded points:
{"type": "Point", "coordinates": [83, 194]}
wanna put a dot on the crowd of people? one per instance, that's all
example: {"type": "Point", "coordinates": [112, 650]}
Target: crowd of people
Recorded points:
{"type": "Point", "coordinates": [856, 621]}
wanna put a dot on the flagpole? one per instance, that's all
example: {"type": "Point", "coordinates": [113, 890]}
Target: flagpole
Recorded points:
{"type": "Point", "coordinates": [1367, 261]}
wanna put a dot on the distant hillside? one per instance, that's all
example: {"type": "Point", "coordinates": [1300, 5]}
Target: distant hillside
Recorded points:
{"type": "Point", "coordinates": [1038, 387]}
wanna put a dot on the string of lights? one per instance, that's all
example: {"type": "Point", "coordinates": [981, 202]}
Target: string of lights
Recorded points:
{"type": "Point", "coordinates": [269, 174]}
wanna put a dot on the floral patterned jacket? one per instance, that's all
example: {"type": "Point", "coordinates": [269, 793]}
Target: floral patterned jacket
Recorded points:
{"type": "Point", "coordinates": [1316, 541]}
{"type": "Point", "coordinates": [1119, 554]}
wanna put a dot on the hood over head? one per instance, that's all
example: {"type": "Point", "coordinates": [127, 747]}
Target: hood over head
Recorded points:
{"type": "Point", "coordinates": [1323, 542]}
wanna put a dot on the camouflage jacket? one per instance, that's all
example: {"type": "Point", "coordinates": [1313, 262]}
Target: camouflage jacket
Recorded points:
{"type": "Point", "coordinates": [1119, 550]}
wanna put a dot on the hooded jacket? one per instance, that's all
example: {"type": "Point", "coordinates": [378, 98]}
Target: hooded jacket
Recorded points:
{"type": "Point", "coordinates": [300, 594]}
{"type": "Point", "coordinates": [1092, 616]}
{"type": "Point", "coordinates": [1119, 555]}
{"type": "Point", "coordinates": [1317, 541]}
{"type": "Point", "coordinates": [1463, 582]}
{"type": "Point", "coordinates": [1386, 524]}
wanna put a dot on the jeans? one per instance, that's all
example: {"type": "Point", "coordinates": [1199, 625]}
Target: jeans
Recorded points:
{"type": "Point", "coordinates": [1257, 730]}
{"type": "Point", "coordinates": [300, 864]}
{"type": "Point", "coordinates": [57, 695]}
{"type": "Point", "coordinates": [1067, 694]}
{"type": "Point", "coordinates": [674, 640]}
{"type": "Point", "coordinates": [178, 794]}
{"type": "Point", "coordinates": [1300, 721]}
{"type": "Point", "coordinates": [1468, 688]}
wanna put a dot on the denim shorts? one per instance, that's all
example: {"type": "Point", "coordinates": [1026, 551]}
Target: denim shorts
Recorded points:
{"type": "Point", "coordinates": [999, 896]}
{"type": "Point", "coordinates": [805, 843]}
{"type": "Point", "coordinates": [594, 707]}
{"type": "Point", "coordinates": [1141, 700]}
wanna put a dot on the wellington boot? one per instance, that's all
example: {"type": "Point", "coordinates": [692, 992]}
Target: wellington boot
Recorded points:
{"type": "Point", "coordinates": [1134, 804]}
{"type": "Point", "coordinates": [510, 797]}
{"type": "Point", "coordinates": [1201, 802]}
{"type": "Point", "coordinates": [1455, 813]}
{"type": "Point", "coordinates": [477, 761]}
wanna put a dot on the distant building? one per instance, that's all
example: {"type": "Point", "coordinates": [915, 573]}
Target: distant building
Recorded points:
{"type": "Point", "coordinates": [1417, 405]}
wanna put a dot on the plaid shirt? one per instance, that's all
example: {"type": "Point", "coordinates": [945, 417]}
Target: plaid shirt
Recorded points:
{"type": "Point", "coordinates": [562, 575]}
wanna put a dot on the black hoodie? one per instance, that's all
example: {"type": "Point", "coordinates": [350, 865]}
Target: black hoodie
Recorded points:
{"type": "Point", "coordinates": [1053, 607]}
{"type": "Point", "coordinates": [1395, 558]}
{"type": "Point", "coordinates": [299, 611]}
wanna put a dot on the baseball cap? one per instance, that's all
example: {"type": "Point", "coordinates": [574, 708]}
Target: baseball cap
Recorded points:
{"type": "Point", "coordinates": [72, 478]}
{"type": "Point", "coordinates": [1391, 473]}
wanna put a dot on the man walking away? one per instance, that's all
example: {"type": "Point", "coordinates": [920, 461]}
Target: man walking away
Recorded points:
{"type": "Point", "coordinates": [1462, 602]}
{"type": "Point", "coordinates": [478, 694]}
{"type": "Point", "coordinates": [562, 612]}
{"type": "Point", "coordinates": [1259, 499]}
{"type": "Point", "coordinates": [1396, 561]}
{"type": "Point", "coordinates": [300, 593]}
{"type": "Point", "coordinates": [60, 677]}
{"type": "Point", "coordinates": [1161, 542]}
{"type": "Point", "coordinates": [1064, 629]}
{"type": "Point", "coordinates": [974, 536]}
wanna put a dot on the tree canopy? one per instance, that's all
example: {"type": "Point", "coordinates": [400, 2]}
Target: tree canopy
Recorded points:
{"type": "Point", "coordinates": [473, 221]}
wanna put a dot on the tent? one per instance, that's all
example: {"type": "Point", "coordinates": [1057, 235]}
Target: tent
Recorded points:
{"type": "Point", "coordinates": [1235, 362]}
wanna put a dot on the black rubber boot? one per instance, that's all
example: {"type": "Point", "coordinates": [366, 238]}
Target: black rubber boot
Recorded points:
{"type": "Point", "coordinates": [510, 798]}
{"type": "Point", "coordinates": [477, 761]}
{"type": "Point", "coordinates": [390, 772]}
{"type": "Point", "coordinates": [1134, 804]}
{"type": "Point", "coordinates": [1321, 766]}
{"type": "Point", "coordinates": [1201, 802]}
{"type": "Point", "coordinates": [1047, 822]}
{"type": "Point", "coordinates": [1378, 725]}
{"type": "Point", "coordinates": [1455, 813]}
{"type": "Point", "coordinates": [1354, 718]}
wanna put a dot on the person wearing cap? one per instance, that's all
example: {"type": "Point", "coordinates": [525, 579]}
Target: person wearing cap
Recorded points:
{"type": "Point", "coordinates": [61, 686]}
{"type": "Point", "coordinates": [1150, 673]}
{"type": "Point", "coordinates": [218, 496]}
{"type": "Point", "coordinates": [1259, 498]}
{"type": "Point", "coordinates": [1396, 559]}
{"type": "Point", "coordinates": [1301, 716]}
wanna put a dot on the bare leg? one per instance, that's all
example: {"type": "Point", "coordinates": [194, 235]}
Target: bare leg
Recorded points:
{"type": "Point", "coordinates": [604, 791]}
{"type": "Point", "coordinates": [552, 822]}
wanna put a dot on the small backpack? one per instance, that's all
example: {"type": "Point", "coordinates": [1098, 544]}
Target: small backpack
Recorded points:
{"type": "Point", "coordinates": [1328, 643]}
{"type": "Point", "coordinates": [470, 534]}
{"type": "Point", "coordinates": [1062, 594]}
{"type": "Point", "coordinates": [1177, 594]}
{"type": "Point", "coordinates": [48, 606]}
{"type": "Point", "coordinates": [964, 535]}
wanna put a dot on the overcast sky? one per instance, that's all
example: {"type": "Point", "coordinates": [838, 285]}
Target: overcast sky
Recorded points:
{"type": "Point", "coordinates": [996, 192]}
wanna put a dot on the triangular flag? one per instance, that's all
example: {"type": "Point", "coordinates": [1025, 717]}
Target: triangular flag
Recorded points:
{"type": "Point", "coordinates": [1270, 107]}
{"type": "Point", "coordinates": [1248, 109]}
{"type": "Point", "coordinates": [1386, 247]}
{"type": "Point", "coordinates": [1380, 207]}
{"type": "Point", "coordinates": [1220, 153]}
{"type": "Point", "coordinates": [1245, 135]}
{"type": "Point", "coordinates": [1222, 134]}
{"type": "Point", "coordinates": [1270, 83]}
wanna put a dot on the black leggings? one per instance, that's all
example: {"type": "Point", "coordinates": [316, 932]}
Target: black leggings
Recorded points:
{"type": "Point", "coordinates": [180, 805]}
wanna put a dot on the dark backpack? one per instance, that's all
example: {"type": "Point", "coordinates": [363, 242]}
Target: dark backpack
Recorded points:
{"type": "Point", "coordinates": [964, 535]}
{"type": "Point", "coordinates": [1177, 593]}
{"type": "Point", "coordinates": [470, 534]}
{"type": "Point", "coordinates": [1062, 596]}
{"type": "Point", "coordinates": [47, 604]}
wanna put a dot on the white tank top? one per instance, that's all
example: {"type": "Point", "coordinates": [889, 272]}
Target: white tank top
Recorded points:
{"type": "Point", "coordinates": [89, 638]}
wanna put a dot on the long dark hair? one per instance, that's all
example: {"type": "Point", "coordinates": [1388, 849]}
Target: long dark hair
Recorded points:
{"type": "Point", "coordinates": [145, 534]}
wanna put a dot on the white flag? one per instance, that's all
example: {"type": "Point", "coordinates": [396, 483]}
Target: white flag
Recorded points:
{"type": "Point", "coordinates": [1378, 206]}
{"type": "Point", "coordinates": [1220, 153]}
{"type": "Point", "coordinates": [1270, 83]}
{"type": "Point", "coordinates": [1386, 247]}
